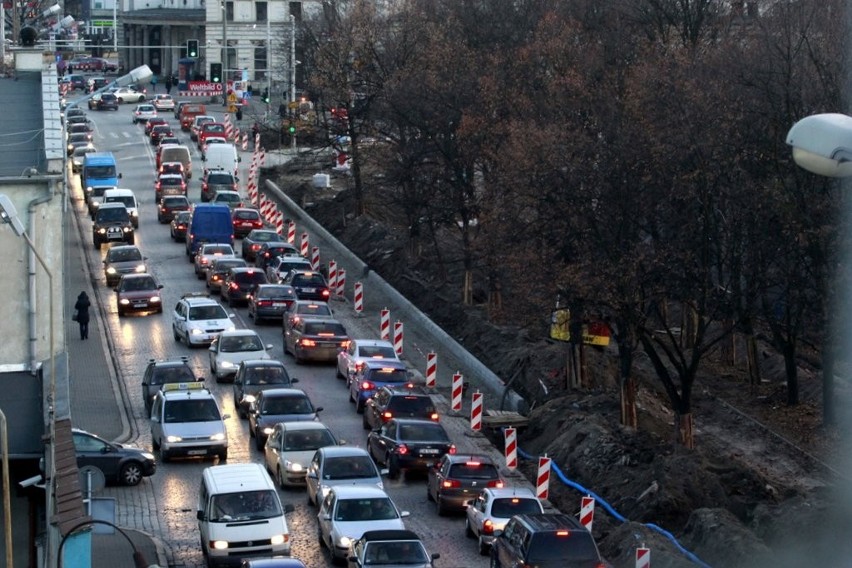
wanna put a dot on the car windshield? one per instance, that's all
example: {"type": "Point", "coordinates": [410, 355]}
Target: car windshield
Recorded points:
{"type": "Point", "coordinates": [376, 351]}
{"type": "Point", "coordinates": [314, 279]}
{"type": "Point", "coordinates": [217, 249]}
{"type": "Point", "coordinates": [508, 507]}
{"type": "Point", "coordinates": [389, 375]}
{"type": "Point", "coordinates": [197, 313]}
{"type": "Point", "coordinates": [83, 150]}
{"type": "Point", "coordinates": [422, 433]}
{"type": "Point", "coordinates": [276, 405]}
{"type": "Point", "coordinates": [314, 309]}
{"type": "Point", "coordinates": [574, 546]}
{"type": "Point", "coordinates": [412, 404]}
{"type": "Point", "coordinates": [145, 108]}
{"type": "Point", "coordinates": [305, 440]}
{"type": "Point", "coordinates": [236, 344]}
{"type": "Point", "coordinates": [276, 292]}
{"type": "Point", "coordinates": [330, 329]}
{"type": "Point", "coordinates": [182, 217]}
{"type": "Point", "coordinates": [225, 265]}
{"type": "Point", "coordinates": [228, 197]}
{"type": "Point", "coordinates": [171, 181]}
{"type": "Point", "coordinates": [127, 200]}
{"type": "Point", "coordinates": [287, 263]}
{"type": "Point", "coordinates": [271, 375]}
{"type": "Point", "coordinates": [100, 172]}
{"type": "Point", "coordinates": [250, 277]}
{"type": "Point", "coordinates": [175, 202]}
{"type": "Point", "coordinates": [245, 505]}
{"type": "Point", "coordinates": [220, 179]}
{"type": "Point", "coordinates": [398, 552]}
{"type": "Point", "coordinates": [137, 284]}
{"type": "Point", "coordinates": [204, 410]}
{"type": "Point", "coordinates": [247, 215]}
{"type": "Point", "coordinates": [375, 509]}
{"type": "Point", "coordinates": [209, 127]}
{"type": "Point", "coordinates": [176, 374]}
{"type": "Point", "coordinates": [124, 255]}
{"type": "Point", "coordinates": [473, 470]}
{"type": "Point", "coordinates": [265, 236]}
{"type": "Point", "coordinates": [349, 467]}
{"type": "Point", "coordinates": [112, 214]}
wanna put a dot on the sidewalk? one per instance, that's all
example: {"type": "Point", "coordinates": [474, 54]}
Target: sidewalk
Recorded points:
{"type": "Point", "coordinates": [98, 405]}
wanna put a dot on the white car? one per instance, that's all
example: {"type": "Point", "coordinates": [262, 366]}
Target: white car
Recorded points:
{"type": "Point", "coordinates": [290, 447]}
{"type": "Point", "coordinates": [209, 251]}
{"type": "Point", "coordinates": [282, 265]}
{"type": "Point", "coordinates": [232, 348]}
{"type": "Point", "coordinates": [127, 95]}
{"type": "Point", "coordinates": [347, 512]}
{"type": "Point", "coordinates": [143, 113]}
{"type": "Point", "coordinates": [352, 358]}
{"type": "Point", "coordinates": [198, 320]}
{"type": "Point", "coordinates": [164, 102]}
{"type": "Point", "coordinates": [487, 515]}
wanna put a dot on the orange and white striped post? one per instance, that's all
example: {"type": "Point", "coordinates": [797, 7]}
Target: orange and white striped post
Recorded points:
{"type": "Point", "coordinates": [315, 258]}
{"type": "Point", "coordinates": [291, 232]}
{"type": "Point", "coordinates": [341, 282]}
{"type": "Point", "coordinates": [431, 369]}
{"type": "Point", "coordinates": [476, 412]}
{"type": "Point", "coordinates": [643, 557]}
{"type": "Point", "coordinates": [332, 277]}
{"type": "Point", "coordinates": [542, 485]}
{"type": "Point", "coordinates": [587, 512]}
{"type": "Point", "coordinates": [359, 298]}
{"type": "Point", "coordinates": [305, 243]}
{"type": "Point", "coordinates": [397, 337]}
{"type": "Point", "coordinates": [511, 448]}
{"type": "Point", "coordinates": [384, 324]}
{"type": "Point", "coordinates": [458, 389]}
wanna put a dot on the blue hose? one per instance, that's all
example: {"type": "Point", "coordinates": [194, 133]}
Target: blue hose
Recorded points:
{"type": "Point", "coordinates": [615, 513]}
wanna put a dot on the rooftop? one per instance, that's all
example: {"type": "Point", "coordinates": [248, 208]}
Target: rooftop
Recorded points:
{"type": "Point", "coordinates": [22, 137]}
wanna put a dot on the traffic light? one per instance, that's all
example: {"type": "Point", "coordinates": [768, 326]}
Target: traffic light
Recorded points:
{"type": "Point", "coordinates": [216, 72]}
{"type": "Point", "coordinates": [192, 48]}
{"type": "Point", "coordinates": [265, 96]}
{"type": "Point", "coordinates": [292, 128]}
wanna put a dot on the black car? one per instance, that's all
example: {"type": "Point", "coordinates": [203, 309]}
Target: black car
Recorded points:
{"type": "Point", "coordinates": [239, 283]}
{"type": "Point", "coordinates": [256, 375]}
{"type": "Point", "coordinates": [104, 101]}
{"type": "Point", "coordinates": [159, 132]}
{"type": "Point", "coordinates": [78, 118]}
{"type": "Point", "coordinates": [270, 301]}
{"type": "Point", "coordinates": [159, 373]}
{"type": "Point", "coordinates": [121, 464]}
{"type": "Point", "coordinates": [112, 223]}
{"type": "Point", "coordinates": [179, 224]}
{"type": "Point", "coordinates": [398, 402]}
{"type": "Point", "coordinates": [549, 540]}
{"type": "Point", "coordinates": [408, 444]}
{"type": "Point", "coordinates": [309, 285]}
{"type": "Point", "coordinates": [278, 405]}
{"type": "Point", "coordinates": [120, 260]}
{"type": "Point", "coordinates": [80, 139]}
{"type": "Point", "coordinates": [217, 180]}
{"type": "Point", "coordinates": [255, 239]}
{"type": "Point", "coordinates": [268, 252]}
{"type": "Point", "coordinates": [457, 478]}
{"type": "Point", "coordinates": [219, 268]}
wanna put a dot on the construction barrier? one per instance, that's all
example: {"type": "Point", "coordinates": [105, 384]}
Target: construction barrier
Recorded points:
{"type": "Point", "coordinates": [542, 484]}
{"type": "Point", "coordinates": [431, 369]}
{"type": "Point", "coordinates": [476, 412]}
{"type": "Point", "coordinates": [315, 258]}
{"type": "Point", "coordinates": [384, 324]}
{"type": "Point", "coordinates": [397, 337]}
{"type": "Point", "coordinates": [511, 448]}
{"type": "Point", "coordinates": [245, 142]}
{"type": "Point", "coordinates": [332, 278]}
{"type": "Point", "coordinates": [359, 298]}
{"type": "Point", "coordinates": [341, 283]}
{"type": "Point", "coordinates": [643, 557]}
{"type": "Point", "coordinates": [291, 232]}
{"type": "Point", "coordinates": [279, 222]}
{"type": "Point", "coordinates": [458, 389]}
{"type": "Point", "coordinates": [587, 512]}
{"type": "Point", "coordinates": [304, 245]}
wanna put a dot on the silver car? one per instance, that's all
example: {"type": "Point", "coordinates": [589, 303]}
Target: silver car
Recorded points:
{"type": "Point", "coordinates": [340, 465]}
{"type": "Point", "coordinates": [352, 358]}
{"type": "Point", "coordinates": [487, 515]}
{"type": "Point", "coordinates": [232, 348]}
{"type": "Point", "coordinates": [207, 253]}
{"type": "Point", "coordinates": [290, 447]}
{"type": "Point", "coordinates": [123, 259]}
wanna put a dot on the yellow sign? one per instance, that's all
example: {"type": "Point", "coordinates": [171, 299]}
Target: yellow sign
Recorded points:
{"type": "Point", "coordinates": [232, 108]}
{"type": "Point", "coordinates": [559, 320]}
{"type": "Point", "coordinates": [232, 98]}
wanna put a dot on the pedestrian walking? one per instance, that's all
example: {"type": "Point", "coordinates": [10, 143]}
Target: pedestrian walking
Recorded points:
{"type": "Point", "coordinates": [81, 314]}
{"type": "Point", "coordinates": [154, 84]}
{"type": "Point", "coordinates": [168, 84]}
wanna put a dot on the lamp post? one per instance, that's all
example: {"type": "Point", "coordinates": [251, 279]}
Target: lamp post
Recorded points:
{"type": "Point", "coordinates": [292, 71]}
{"type": "Point", "coordinates": [7, 505]}
{"type": "Point", "coordinates": [225, 44]}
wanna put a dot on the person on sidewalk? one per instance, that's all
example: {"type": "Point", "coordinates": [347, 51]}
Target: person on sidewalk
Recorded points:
{"type": "Point", "coordinates": [82, 308]}
{"type": "Point", "coordinates": [168, 84]}
{"type": "Point", "coordinates": [154, 84]}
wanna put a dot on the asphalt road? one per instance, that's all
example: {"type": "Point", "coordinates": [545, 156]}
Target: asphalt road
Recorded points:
{"type": "Point", "coordinates": [136, 339]}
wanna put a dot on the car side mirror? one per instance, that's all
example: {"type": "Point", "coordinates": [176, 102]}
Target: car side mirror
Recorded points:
{"type": "Point", "coordinates": [341, 443]}
{"type": "Point", "coordinates": [326, 517]}
{"type": "Point", "coordinates": [159, 286]}
{"type": "Point", "coordinates": [294, 380]}
{"type": "Point", "coordinates": [318, 409]}
{"type": "Point", "coordinates": [312, 475]}
{"type": "Point", "coordinates": [269, 346]}
{"type": "Point", "coordinates": [436, 556]}
{"type": "Point", "coordinates": [119, 176]}
{"type": "Point", "coordinates": [404, 514]}
{"type": "Point", "coordinates": [226, 416]}
{"type": "Point", "coordinates": [212, 348]}
{"type": "Point", "coordinates": [289, 508]}
{"type": "Point", "coordinates": [200, 515]}
{"type": "Point", "coordinates": [384, 471]}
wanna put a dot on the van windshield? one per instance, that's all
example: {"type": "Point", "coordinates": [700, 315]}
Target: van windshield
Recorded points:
{"type": "Point", "coordinates": [100, 172]}
{"type": "Point", "coordinates": [574, 546]}
{"type": "Point", "coordinates": [198, 410]}
{"type": "Point", "coordinates": [244, 506]}
{"type": "Point", "coordinates": [127, 200]}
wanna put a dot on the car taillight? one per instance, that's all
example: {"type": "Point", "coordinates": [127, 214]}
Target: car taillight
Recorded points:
{"type": "Point", "coordinates": [158, 186]}
{"type": "Point", "coordinates": [387, 415]}
{"type": "Point", "coordinates": [234, 286]}
{"type": "Point", "coordinates": [402, 449]}
{"type": "Point", "coordinates": [498, 483]}
{"type": "Point", "coordinates": [451, 483]}
{"type": "Point", "coordinates": [434, 416]}
{"type": "Point", "coordinates": [307, 342]}
{"type": "Point", "coordinates": [264, 303]}
{"type": "Point", "coordinates": [325, 293]}
{"type": "Point", "coordinates": [367, 385]}
{"type": "Point", "coordinates": [359, 365]}
{"type": "Point", "coordinates": [487, 527]}
{"type": "Point", "coordinates": [203, 186]}
{"type": "Point", "coordinates": [215, 277]}
{"type": "Point", "coordinates": [452, 449]}
{"type": "Point", "coordinates": [345, 344]}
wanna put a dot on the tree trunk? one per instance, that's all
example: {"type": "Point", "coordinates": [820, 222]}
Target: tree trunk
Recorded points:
{"type": "Point", "coordinates": [467, 291]}
{"type": "Point", "coordinates": [628, 402]}
{"type": "Point", "coordinates": [728, 348]}
{"type": "Point", "coordinates": [683, 423]}
{"type": "Point", "coordinates": [828, 417]}
{"type": "Point", "coordinates": [792, 372]}
{"type": "Point", "coordinates": [753, 361]}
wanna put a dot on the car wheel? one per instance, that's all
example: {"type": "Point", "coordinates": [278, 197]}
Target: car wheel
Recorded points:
{"type": "Point", "coordinates": [164, 455]}
{"type": "Point", "coordinates": [364, 423]}
{"type": "Point", "coordinates": [280, 477]}
{"type": "Point", "coordinates": [393, 467]}
{"type": "Point", "coordinates": [359, 406]}
{"type": "Point", "coordinates": [468, 532]}
{"type": "Point", "coordinates": [142, 98]}
{"type": "Point", "coordinates": [155, 443]}
{"type": "Point", "coordinates": [429, 492]}
{"type": "Point", "coordinates": [439, 505]}
{"type": "Point", "coordinates": [259, 442]}
{"type": "Point", "coordinates": [96, 245]}
{"type": "Point", "coordinates": [484, 548]}
{"type": "Point", "coordinates": [223, 455]}
{"type": "Point", "coordinates": [131, 474]}
{"type": "Point", "coordinates": [310, 501]}
{"type": "Point", "coordinates": [338, 374]}
{"type": "Point", "coordinates": [351, 398]}
{"type": "Point", "coordinates": [175, 334]}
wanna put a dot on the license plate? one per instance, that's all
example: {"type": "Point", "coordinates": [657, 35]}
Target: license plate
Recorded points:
{"type": "Point", "coordinates": [309, 290]}
{"type": "Point", "coordinates": [429, 451]}
{"type": "Point", "coordinates": [140, 304]}
{"type": "Point", "coordinates": [278, 304]}
{"type": "Point", "coordinates": [113, 232]}
{"type": "Point", "coordinates": [196, 452]}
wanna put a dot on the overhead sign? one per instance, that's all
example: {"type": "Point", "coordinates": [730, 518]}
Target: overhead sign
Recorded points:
{"type": "Point", "coordinates": [204, 88]}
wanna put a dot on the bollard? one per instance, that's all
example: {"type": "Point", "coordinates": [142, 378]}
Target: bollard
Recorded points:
{"type": "Point", "coordinates": [384, 325]}
{"type": "Point", "coordinates": [315, 258]}
{"type": "Point", "coordinates": [476, 412]}
{"type": "Point", "coordinates": [643, 557]}
{"type": "Point", "coordinates": [511, 448]}
{"type": "Point", "coordinates": [304, 245]}
{"type": "Point", "coordinates": [291, 232]}
{"type": "Point", "coordinates": [542, 485]}
{"type": "Point", "coordinates": [279, 222]}
{"type": "Point", "coordinates": [397, 337]}
{"type": "Point", "coordinates": [245, 142]}
{"type": "Point", "coordinates": [341, 282]}
{"type": "Point", "coordinates": [458, 389]}
{"type": "Point", "coordinates": [587, 512]}
{"type": "Point", "coordinates": [332, 277]}
{"type": "Point", "coordinates": [431, 369]}
{"type": "Point", "coordinates": [359, 298]}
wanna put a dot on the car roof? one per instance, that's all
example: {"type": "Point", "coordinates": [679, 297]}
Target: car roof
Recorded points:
{"type": "Point", "coordinates": [342, 451]}
{"type": "Point", "coordinates": [389, 535]}
{"type": "Point", "coordinates": [135, 276]}
{"type": "Point", "coordinates": [549, 521]}
{"type": "Point", "coordinates": [203, 393]}
{"type": "Point", "coordinates": [283, 392]}
{"type": "Point", "coordinates": [200, 301]}
{"type": "Point", "coordinates": [384, 363]}
{"type": "Point", "coordinates": [112, 205]}
{"type": "Point", "coordinates": [259, 230]}
{"type": "Point", "coordinates": [416, 422]}
{"type": "Point", "coordinates": [122, 247]}
{"type": "Point", "coordinates": [238, 333]}
{"type": "Point", "coordinates": [373, 343]}
{"type": "Point", "coordinates": [357, 491]}
{"type": "Point", "coordinates": [171, 176]}
{"type": "Point", "coordinates": [245, 269]}
{"type": "Point", "coordinates": [303, 425]}
{"type": "Point", "coordinates": [262, 363]}
{"type": "Point", "coordinates": [456, 458]}
{"type": "Point", "coordinates": [169, 363]}
{"type": "Point", "coordinates": [501, 492]}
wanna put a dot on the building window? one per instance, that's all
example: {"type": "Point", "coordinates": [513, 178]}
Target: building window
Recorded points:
{"type": "Point", "coordinates": [229, 11]}
{"type": "Point", "coordinates": [261, 69]}
{"type": "Point", "coordinates": [260, 11]}
{"type": "Point", "coordinates": [296, 10]}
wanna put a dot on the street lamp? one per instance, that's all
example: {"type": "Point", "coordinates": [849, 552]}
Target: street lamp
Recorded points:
{"type": "Point", "coordinates": [822, 144]}
{"type": "Point", "coordinates": [139, 559]}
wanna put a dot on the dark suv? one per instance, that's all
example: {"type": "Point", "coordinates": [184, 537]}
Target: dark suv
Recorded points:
{"type": "Point", "coordinates": [104, 101]}
{"type": "Point", "coordinates": [458, 478]}
{"type": "Point", "coordinates": [216, 180]}
{"type": "Point", "coordinates": [159, 373]}
{"type": "Point", "coordinates": [240, 282]}
{"type": "Point", "coordinates": [308, 285]}
{"type": "Point", "coordinates": [552, 540]}
{"type": "Point", "coordinates": [395, 402]}
{"type": "Point", "coordinates": [112, 224]}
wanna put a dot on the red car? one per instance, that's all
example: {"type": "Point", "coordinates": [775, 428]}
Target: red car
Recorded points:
{"type": "Point", "coordinates": [170, 205]}
{"type": "Point", "coordinates": [210, 129]}
{"type": "Point", "coordinates": [160, 131]}
{"type": "Point", "coordinates": [152, 122]}
{"type": "Point", "coordinates": [245, 221]}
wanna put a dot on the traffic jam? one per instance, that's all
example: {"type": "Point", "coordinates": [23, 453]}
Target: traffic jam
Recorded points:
{"type": "Point", "coordinates": [253, 360]}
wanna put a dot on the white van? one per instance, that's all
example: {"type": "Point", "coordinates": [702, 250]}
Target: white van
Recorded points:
{"type": "Point", "coordinates": [222, 157]}
{"type": "Point", "coordinates": [127, 197]}
{"type": "Point", "coordinates": [177, 153]}
{"type": "Point", "coordinates": [240, 515]}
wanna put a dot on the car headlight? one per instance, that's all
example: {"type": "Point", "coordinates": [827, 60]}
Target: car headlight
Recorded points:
{"type": "Point", "coordinates": [140, 268]}
{"type": "Point", "coordinates": [101, 231]}
{"type": "Point", "coordinates": [218, 436]}
{"type": "Point", "coordinates": [279, 539]}
{"type": "Point", "coordinates": [173, 439]}
{"type": "Point", "coordinates": [134, 213]}
{"type": "Point", "coordinates": [227, 365]}
{"type": "Point", "coordinates": [249, 398]}
{"type": "Point", "coordinates": [292, 466]}
{"type": "Point", "coordinates": [155, 299]}
{"type": "Point", "coordinates": [110, 270]}
{"type": "Point", "coordinates": [344, 542]}
{"type": "Point", "coordinates": [124, 301]}
{"type": "Point", "coordinates": [267, 430]}
{"type": "Point", "coordinates": [195, 331]}
{"type": "Point", "coordinates": [220, 545]}
{"type": "Point", "coordinates": [128, 229]}
{"type": "Point", "coordinates": [148, 455]}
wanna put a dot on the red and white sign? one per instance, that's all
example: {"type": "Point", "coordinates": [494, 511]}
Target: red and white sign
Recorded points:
{"type": "Point", "coordinates": [643, 557]}
{"type": "Point", "coordinates": [304, 245]}
{"type": "Point", "coordinates": [431, 369]}
{"type": "Point", "coordinates": [384, 325]}
{"type": "Point", "coordinates": [397, 337]}
{"type": "Point", "coordinates": [341, 282]}
{"type": "Point", "coordinates": [291, 232]}
{"type": "Point", "coordinates": [359, 297]}
{"type": "Point", "coordinates": [315, 258]}
{"type": "Point", "coordinates": [587, 512]}
{"type": "Point", "coordinates": [279, 222]}
{"type": "Point", "coordinates": [476, 412]}
{"type": "Point", "coordinates": [202, 89]}
{"type": "Point", "coordinates": [511, 448]}
{"type": "Point", "coordinates": [458, 389]}
{"type": "Point", "coordinates": [332, 277]}
{"type": "Point", "coordinates": [542, 484]}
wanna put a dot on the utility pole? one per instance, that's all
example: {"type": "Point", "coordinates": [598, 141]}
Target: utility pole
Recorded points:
{"type": "Point", "coordinates": [293, 71]}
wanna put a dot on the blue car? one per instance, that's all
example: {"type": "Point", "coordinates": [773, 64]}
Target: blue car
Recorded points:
{"type": "Point", "coordinates": [372, 376]}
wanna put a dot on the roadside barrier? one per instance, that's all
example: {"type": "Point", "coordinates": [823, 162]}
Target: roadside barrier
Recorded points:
{"type": "Point", "coordinates": [587, 512]}
{"type": "Point", "coordinates": [291, 233]}
{"type": "Point", "coordinates": [431, 369]}
{"type": "Point", "coordinates": [341, 283]}
{"type": "Point", "coordinates": [542, 483]}
{"type": "Point", "coordinates": [305, 243]}
{"type": "Point", "coordinates": [511, 440]}
{"type": "Point", "coordinates": [476, 412]}
{"type": "Point", "coordinates": [397, 337]}
{"type": "Point", "coordinates": [315, 258]}
{"type": "Point", "coordinates": [384, 325]}
{"type": "Point", "coordinates": [458, 389]}
{"type": "Point", "coordinates": [359, 298]}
